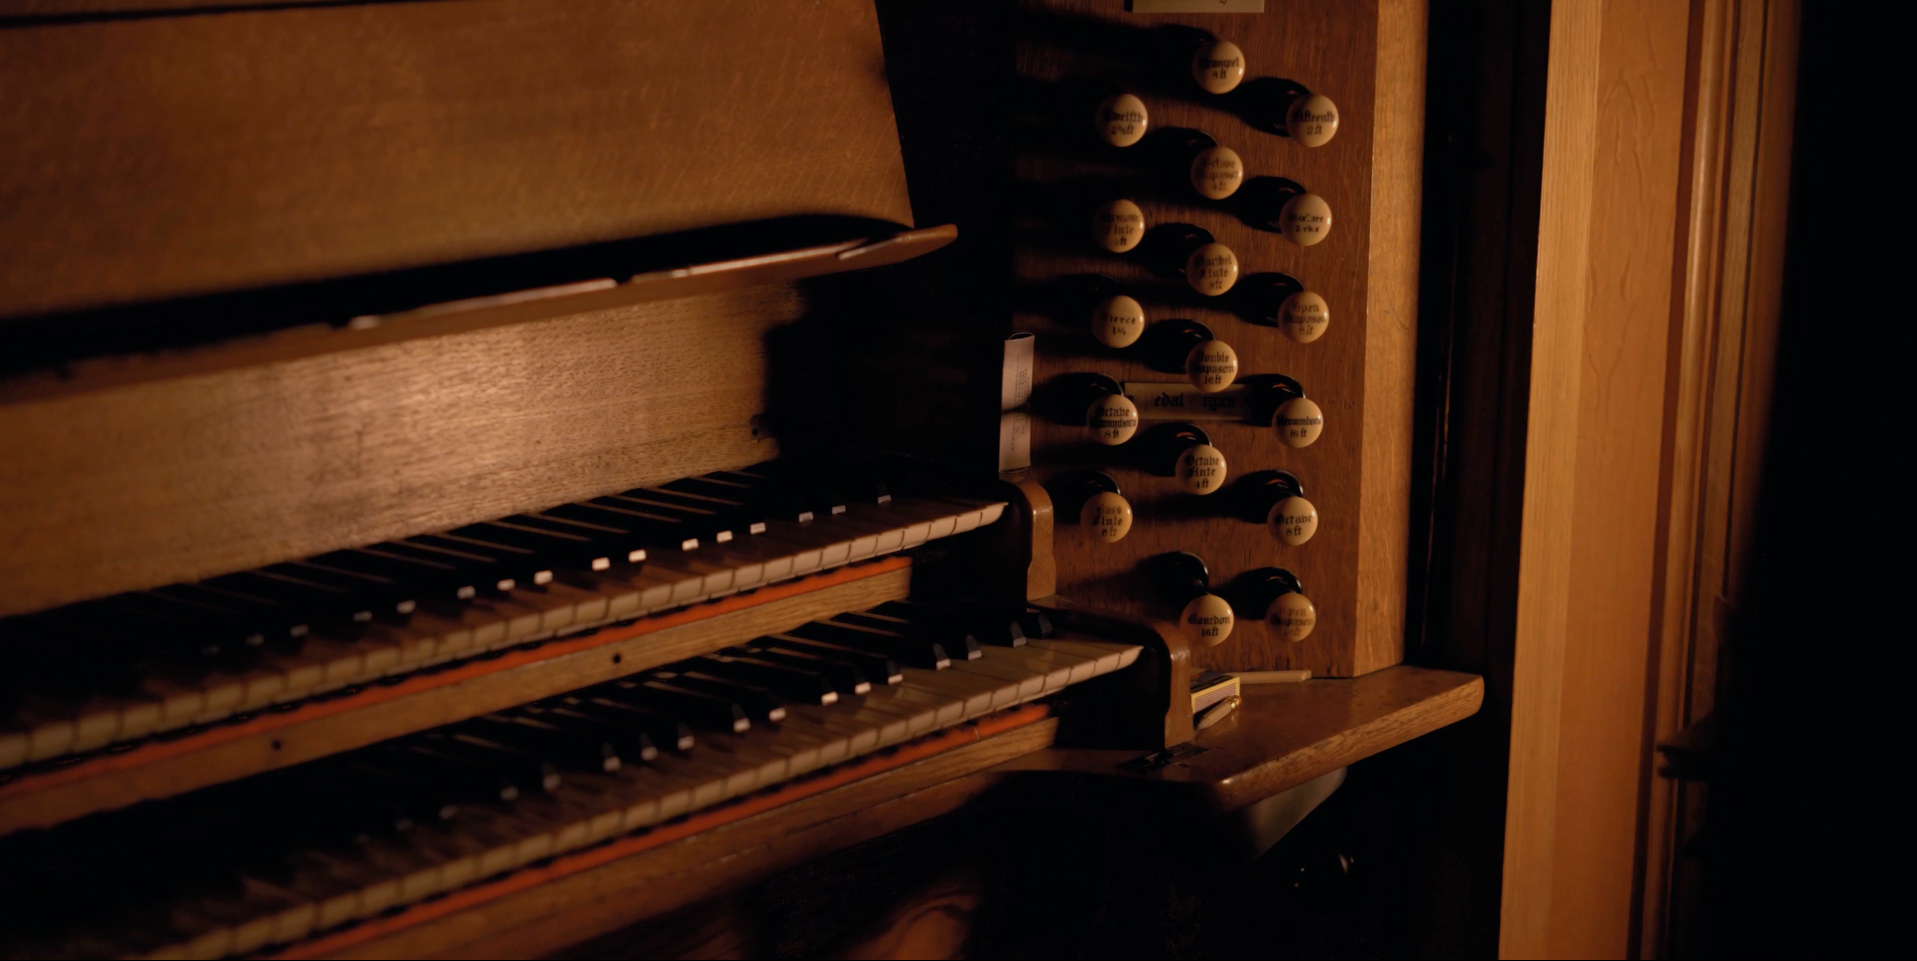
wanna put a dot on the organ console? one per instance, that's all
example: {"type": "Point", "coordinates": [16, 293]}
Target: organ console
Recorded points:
{"type": "Point", "coordinates": [472, 511]}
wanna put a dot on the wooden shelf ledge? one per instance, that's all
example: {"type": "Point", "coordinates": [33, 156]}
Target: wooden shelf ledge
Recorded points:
{"type": "Point", "coordinates": [457, 316]}
{"type": "Point", "coordinates": [1283, 735]}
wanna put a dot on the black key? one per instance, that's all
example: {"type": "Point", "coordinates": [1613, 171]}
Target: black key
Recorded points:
{"type": "Point", "coordinates": [987, 628]}
{"type": "Point", "coordinates": [562, 550]}
{"type": "Point", "coordinates": [759, 702]}
{"type": "Point", "coordinates": [881, 668]}
{"type": "Point", "coordinates": [952, 634]}
{"type": "Point", "coordinates": [90, 661]}
{"type": "Point", "coordinates": [694, 707]}
{"type": "Point", "coordinates": [823, 496]}
{"type": "Point", "coordinates": [628, 741]}
{"type": "Point", "coordinates": [708, 526]}
{"type": "Point", "coordinates": [621, 546]}
{"type": "Point", "coordinates": [438, 580]}
{"type": "Point", "coordinates": [766, 500]}
{"type": "Point", "coordinates": [797, 684]}
{"type": "Point", "coordinates": [217, 620]}
{"type": "Point", "coordinates": [457, 775]}
{"type": "Point", "coordinates": [664, 730]}
{"type": "Point", "coordinates": [741, 517]}
{"type": "Point", "coordinates": [524, 768]}
{"type": "Point", "coordinates": [426, 802]}
{"type": "Point", "coordinates": [657, 531]}
{"type": "Point", "coordinates": [319, 602]}
{"type": "Point", "coordinates": [343, 809]}
{"type": "Point", "coordinates": [533, 736]}
{"type": "Point", "coordinates": [784, 503]}
{"type": "Point", "coordinates": [386, 597]}
{"type": "Point", "coordinates": [160, 640]}
{"type": "Point", "coordinates": [519, 566]}
{"type": "Point", "coordinates": [285, 628]}
{"type": "Point", "coordinates": [1036, 623]}
{"type": "Point", "coordinates": [844, 673]}
{"type": "Point", "coordinates": [488, 572]}
{"type": "Point", "coordinates": [910, 651]}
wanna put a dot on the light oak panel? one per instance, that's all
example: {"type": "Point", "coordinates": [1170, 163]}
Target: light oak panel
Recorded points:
{"type": "Point", "coordinates": [154, 157]}
{"type": "Point", "coordinates": [177, 479]}
{"type": "Point", "coordinates": [1360, 371]}
{"type": "Point", "coordinates": [1621, 402]}
{"type": "Point", "coordinates": [1550, 475]}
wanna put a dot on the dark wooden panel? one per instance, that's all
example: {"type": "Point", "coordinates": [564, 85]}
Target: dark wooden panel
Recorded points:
{"type": "Point", "coordinates": [157, 157]}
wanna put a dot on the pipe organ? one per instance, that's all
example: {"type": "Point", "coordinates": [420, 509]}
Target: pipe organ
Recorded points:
{"type": "Point", "coordinates": [482, 475]}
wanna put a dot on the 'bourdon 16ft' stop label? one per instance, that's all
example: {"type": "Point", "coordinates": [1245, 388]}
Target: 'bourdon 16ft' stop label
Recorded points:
{"type": "Point", "coordinates": [1207, 619]}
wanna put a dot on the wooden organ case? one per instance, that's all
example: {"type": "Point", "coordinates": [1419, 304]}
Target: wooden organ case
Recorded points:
{"type": "Point", "coordinates": [429, 532]}
{"type": "Point", "coordinates": [1355, 368]}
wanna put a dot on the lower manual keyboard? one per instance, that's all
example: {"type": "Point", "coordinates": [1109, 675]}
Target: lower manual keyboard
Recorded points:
{"type": "Point", "coordinates": [279, 857]}
{"type": "Point", "coordinates": [86, 701]}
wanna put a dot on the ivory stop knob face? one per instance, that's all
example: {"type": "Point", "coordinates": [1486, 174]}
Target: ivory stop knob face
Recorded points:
{"type": "Point", "coordinates": [1218, 66]}
{"type": "Point", "coordinates": [1211, 269]}
{"type": "Point", "coordinates": [1303, 316]}
{"type": "Point", "coordinates": [1211, 366]}
{"type": "Point", "coordinates": [1312, 120]}
{"type": "Point", "coordinates": [1293, 520]}
{"type": "Point", "coordinates": [1216, 172]}
{"type": "Point", "coordinates": [1112, 419]}
{"type": "Point", "coordinates": [1305, 219]}
{"type": "Point", "coordinates": [1108, 516]}
{"type": "Point", "coordinates": [1117, 321]}
{"type": "Point", "coordinates": [1200, 469]}
{"type": "Point", "coordinates": [1122, 120]}
{"type": "Point", "coordinates": [1299, 422]}
{"type": "Point", "coordinates": [1119, 226]}
{"type": "Point", "coordinates": [1291, 617]}
{"type": "Point", "coordinates": [1207, 620]}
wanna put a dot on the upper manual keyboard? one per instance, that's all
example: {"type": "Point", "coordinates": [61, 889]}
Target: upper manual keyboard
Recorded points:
{"type": "Point", "coordinates": [121, 668]}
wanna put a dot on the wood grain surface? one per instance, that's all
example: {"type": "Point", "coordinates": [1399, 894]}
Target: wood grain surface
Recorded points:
{"type": "Point", "coordinates": [1359, 372]}
{"type": "Point", "coordinates": [151, 157]}
{"type": "Point", "coordinates": [225, 752]}
{"type": "Point", "coordinates": [177, 479]}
